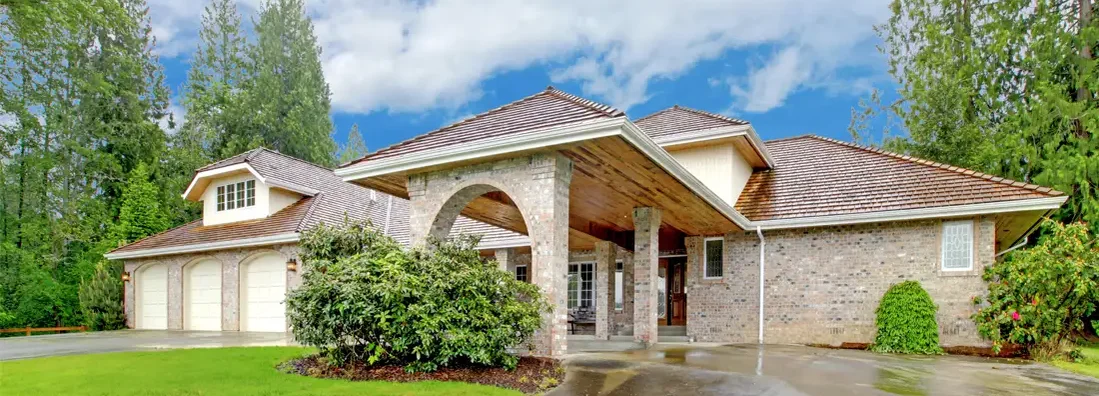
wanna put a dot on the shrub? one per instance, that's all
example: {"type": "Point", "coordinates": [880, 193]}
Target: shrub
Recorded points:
{"type": "Point", "coordinates": [364, 298]}
{"type": "Point", "coordinates": [906, 321]}
{"type": "Point", "coordinates": [1039, 297]}
{"type": "Point", "coordinates": [101, 298]}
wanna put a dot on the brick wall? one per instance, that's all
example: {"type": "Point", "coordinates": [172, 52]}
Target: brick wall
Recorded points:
{"type": "Point", "coordinates": [823, 284]}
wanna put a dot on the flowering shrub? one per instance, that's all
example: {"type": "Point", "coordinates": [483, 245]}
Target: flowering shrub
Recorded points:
{"type": "Point", "coordinates": [1039, 297]}
{"type": "Point", "coordinates": [906, 321]}
{"type": "Point", "coordinates": [366, 299]}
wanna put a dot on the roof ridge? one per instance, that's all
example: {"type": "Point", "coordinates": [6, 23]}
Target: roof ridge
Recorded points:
{"type": "Point", "coordinates": [802, 136]}
{"type": "Point", "coordinates": [246, 154]}
{"type": "Point", "coordinates": [550, 90]}
{"type": "Point", "coordinates": [712, 115]}
{"type": "Point", "coordinates": [940, 165]}
{"type": "Point", "coordinates": [293, 158]}
{"type": "Point", "coordinates": [600, 107]}
{"type": "Point", "coordinates": [153, 235]}
{"type": "Point", "coordinates": [308, 212]}
{"type": "Point", "coordinates": [657, 112]}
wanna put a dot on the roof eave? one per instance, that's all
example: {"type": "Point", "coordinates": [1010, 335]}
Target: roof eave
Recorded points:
{"type": "Point", "coordinates": [746, 130]}
{"type": "Point", "coordinates": [203, 247]}
{"type": "Point", "coordinates": [1018, 205]}
{"type": "Point", "coordinates": [193, 194]}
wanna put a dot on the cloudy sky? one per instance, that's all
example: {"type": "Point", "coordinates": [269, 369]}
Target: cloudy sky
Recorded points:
{"type": "Point", "coordinates": [400, 68]}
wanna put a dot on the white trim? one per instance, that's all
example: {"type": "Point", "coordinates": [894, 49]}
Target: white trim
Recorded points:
{"type": "Point", "coordinates": [706, 262]}
{"type": "Point", "coordinates": [538, 138]}
{"type": "Point", "coordinates": [1019, 205]}
{"type": "Point", "coordinates": [942, 245]}
{"type": "Point", "coordinates": [527, 274]}
{"type": "Point", "coordinates": [671, 255]}
{"type": "Point", "coordinates": [221, 171]}
{"type": "Point", "coordinates": [510, 242]}
{"type": "Point", "coordinates": [202, 247]}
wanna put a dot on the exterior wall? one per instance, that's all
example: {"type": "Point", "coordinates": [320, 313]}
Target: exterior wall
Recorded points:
{"type": "Point", "coordinates": [210, 214]}
{"type": "Point", "coordinates": [720, 167]}
{"type": "Point", "coordinates": [822, 285]}
{"type": "Point", "coordinates": [230, 280]}
{"type": "Point", "coordinates": [280, 199]}
{"type": "Point", "coordinates": [621, 319]}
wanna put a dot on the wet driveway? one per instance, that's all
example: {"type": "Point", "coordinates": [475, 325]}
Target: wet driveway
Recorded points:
{"type": "Point", "coordinates": [794, 370]}
{"type": "Point", "coordinates": [130, 340]}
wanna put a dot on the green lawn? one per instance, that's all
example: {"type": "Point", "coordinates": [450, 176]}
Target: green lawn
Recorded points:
{"type": "Point", "coordinates": [223, 371]}
{"type": "Point", "coordinates": [1088, 366]}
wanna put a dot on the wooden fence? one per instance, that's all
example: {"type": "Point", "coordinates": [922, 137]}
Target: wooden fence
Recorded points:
{"type": "Point", "coordinates": [30, 330]}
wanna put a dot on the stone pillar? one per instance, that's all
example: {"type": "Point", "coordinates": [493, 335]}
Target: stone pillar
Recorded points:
{"type": "Point", "coordinates": [128, 293]}
{"type": "Point", "coordinates": [646, 225]}
{"type": "Point", "coordinates": [175, 295]}
{"type": "Point", "coordinates": [604, 288]}
{"type": "Point", "coordinates": [230, 291]}
{"type": "Point", "coordinates": [506, 257]}
{"type": "Point", "coordinates": [548, 225]}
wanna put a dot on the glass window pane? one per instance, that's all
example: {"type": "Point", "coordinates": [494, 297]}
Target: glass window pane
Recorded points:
{"type": "Point", "coordinates": [714, 258]}
{"type": "Point", "coordinates": [250, 196]}
{"type": "Point", "coordinates": [957, 245]}
{"type": "Point", "coordinates": [221, 198]}
{"type": "Point", "coordinates": [230, 194]}
{"type": "Point", "coordinates": [618, 288]}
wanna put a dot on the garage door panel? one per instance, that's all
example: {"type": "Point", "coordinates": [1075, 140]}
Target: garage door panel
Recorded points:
{"type": "Point", "coordinates": [153, 297]}
{"type": "Point", "coordinates": [203, 288]}
{"type": "Point", "coordinates": [262, 294]}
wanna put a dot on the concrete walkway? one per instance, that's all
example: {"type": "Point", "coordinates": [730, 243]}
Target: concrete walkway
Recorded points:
{"type": "Point", "coordinates": [12, 348]}
{"type": "Point", "coordinates": [796, 370]}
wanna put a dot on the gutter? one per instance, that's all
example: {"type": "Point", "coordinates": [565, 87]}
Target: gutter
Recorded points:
{"type": "Point", "coordinates": [762, 249]}
{"type": "Point", "coordinates": [202, 247]}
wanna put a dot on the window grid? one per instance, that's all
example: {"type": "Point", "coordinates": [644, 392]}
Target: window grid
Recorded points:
{"type": "Point", "coordinates": [236, 195]}
{"type": "Point", "coordinates": [521, 273]}
{"type": "Point", "coordinates": [580, 285]}
{"type": "Point", "coordinates": [957, 246]}
{"type": "Point", "coordinates": [713, 255]}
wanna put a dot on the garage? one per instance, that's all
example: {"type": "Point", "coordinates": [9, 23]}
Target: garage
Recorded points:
{"type": "Point", "coordinates": [152, 297]}
{"type": "Point", "coordinates": [202, 296]}
{"type": "Point", "coordinates": [263, 289]}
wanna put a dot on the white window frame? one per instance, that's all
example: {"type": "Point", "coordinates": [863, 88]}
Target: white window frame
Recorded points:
{"type": "Point", "coordinates": [942, 245]}
{"type": "Point", "coordinates": [578, 293]}
{"type": "Point", "coordinates": [706, 261]}
{"type": "Point", "coordinates": [238, 198]}
{"type": "Point", "coordinates": [619, 288]}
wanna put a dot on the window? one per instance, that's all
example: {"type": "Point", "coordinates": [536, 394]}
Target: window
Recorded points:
{"type": "Point", "coordinates": [521, 273]}
{"type": "Point", "coordinates": [713, 257]}
{"type": "Point", "coordinates": [957, 245]}
{"type": "Point", "coordinates": [237, 195]}
{"type": "Point", "coordinates": [618, 286]}
{"type": "Point", "coordinates": [580, 285]}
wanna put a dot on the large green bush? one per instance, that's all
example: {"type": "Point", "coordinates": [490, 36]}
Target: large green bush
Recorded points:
{"type": "Point", "coordinates": [1039, 297]}
{"type": "Point", "coordinates": [906, 321]}
{"type": "Point", "coordinates": [364, 298]}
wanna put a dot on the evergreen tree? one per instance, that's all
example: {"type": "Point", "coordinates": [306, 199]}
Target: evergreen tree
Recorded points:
{"type": "Point", "coordinates": [355, 147]}
{"type": "Point", "coordinates": [1004, 87]}
{"type": "Point", "coordinates": [140, 214]}
{"type": "Point", "coordinates": [101, 298]}
{"type": "Point", "coordinates": [286, 92]}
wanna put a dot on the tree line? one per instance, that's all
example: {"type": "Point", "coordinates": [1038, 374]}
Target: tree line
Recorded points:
{"type": "Point", "coordinates": [91, 155]}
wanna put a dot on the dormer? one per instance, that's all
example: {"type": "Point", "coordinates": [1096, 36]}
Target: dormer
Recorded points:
{"type": "Point", "coordinates": [722, 152]}
{"type": "Point", "coordinates": [233, 190]}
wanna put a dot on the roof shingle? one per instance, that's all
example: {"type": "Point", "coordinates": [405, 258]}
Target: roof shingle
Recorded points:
{"type": "Point", "coordinates": [676, 120]}
{"type": "Point", "coordinates": [816, 176]}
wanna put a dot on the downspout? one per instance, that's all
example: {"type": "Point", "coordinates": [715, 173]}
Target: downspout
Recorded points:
{"type": "Point", "coordinates": [762, 246]}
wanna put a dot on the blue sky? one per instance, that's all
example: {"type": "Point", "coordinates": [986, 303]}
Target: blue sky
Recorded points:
{"type": "Point", "coordinates": [400, 69]}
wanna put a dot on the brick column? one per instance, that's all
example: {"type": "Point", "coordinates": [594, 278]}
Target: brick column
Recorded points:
{"type": "Point", "coordinates": [128, 291]}
{"type": "Point", "coordinates": [506, 258]}
{"type": "Point", "coordinates": [604, 288]}
{"type": "Point", "coordinates": [175, 295]}
{"type": "Point", "coordinates": [646, 225]}
{"type": "Point", "coordinates": [548, 225]}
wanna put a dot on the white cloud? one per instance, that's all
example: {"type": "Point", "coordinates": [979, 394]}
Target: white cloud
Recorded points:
{"type": "Point", "coordinates": [178, 114]}
{"type": "Point", "coordinates": [411, 56]}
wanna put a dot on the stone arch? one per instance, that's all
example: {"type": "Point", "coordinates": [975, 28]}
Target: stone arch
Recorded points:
{"type": "Point", "coordinates": [460, 196]}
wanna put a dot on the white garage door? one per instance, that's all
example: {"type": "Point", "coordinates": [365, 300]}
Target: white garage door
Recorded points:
{"type": "Point", "coordinates": [152, 297]}
{"type": "Point", "coordinates": [203, 298]}
{"type": "Point", "coordinates": [263, 292]}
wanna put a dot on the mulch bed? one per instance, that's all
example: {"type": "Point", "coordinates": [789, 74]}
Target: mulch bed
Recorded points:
{"type": "Point", "coordinates": [532, 375]}
{"type": "Point", "coordinates": [1008, 351]}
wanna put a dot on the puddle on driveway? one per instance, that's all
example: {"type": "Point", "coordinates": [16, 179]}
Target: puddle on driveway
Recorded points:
{"type": "Point", "coordinates": [795, 370]}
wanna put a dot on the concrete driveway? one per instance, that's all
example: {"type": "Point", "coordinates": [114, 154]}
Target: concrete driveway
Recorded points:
{"type": "Point", "coordinates": [12, 348]}
{"type": "Point", "coordinates": [796, 370]}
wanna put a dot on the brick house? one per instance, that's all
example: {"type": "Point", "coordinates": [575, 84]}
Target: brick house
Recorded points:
{"type": "Point", "coordinates": [681, 222]}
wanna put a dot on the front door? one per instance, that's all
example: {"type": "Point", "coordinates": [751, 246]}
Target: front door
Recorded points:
{"type": "Point", "coordinates": [672, 303]}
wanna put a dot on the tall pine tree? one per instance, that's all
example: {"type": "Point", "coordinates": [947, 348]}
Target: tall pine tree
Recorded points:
{"type": "Point", "coordinates": [355, 147]}
{"type": "Point", "coordinates": [286, 92]}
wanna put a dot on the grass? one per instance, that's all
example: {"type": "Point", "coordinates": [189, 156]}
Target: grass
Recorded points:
{"type": "Point", "coordinates": [1089, 365]}
{"type": "Point", "coordinates": [221, 371]}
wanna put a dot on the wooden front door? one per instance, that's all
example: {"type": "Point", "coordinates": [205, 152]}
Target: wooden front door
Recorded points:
{"type": "Point", "coordinates": [677, 299]}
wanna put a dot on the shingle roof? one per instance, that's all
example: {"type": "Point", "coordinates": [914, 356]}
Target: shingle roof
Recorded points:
{"type": "Point", "coordinates": [817, 176]}
{"type": "Point", "coordinates": [550, 107]}
{"type": "Point", "coordinates": [335, 201]}
{"type": "Point", "coordinates": [677, 119]}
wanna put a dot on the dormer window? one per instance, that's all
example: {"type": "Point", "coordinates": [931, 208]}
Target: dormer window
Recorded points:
{"type": "Point", "coordinates": [237, 195]}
